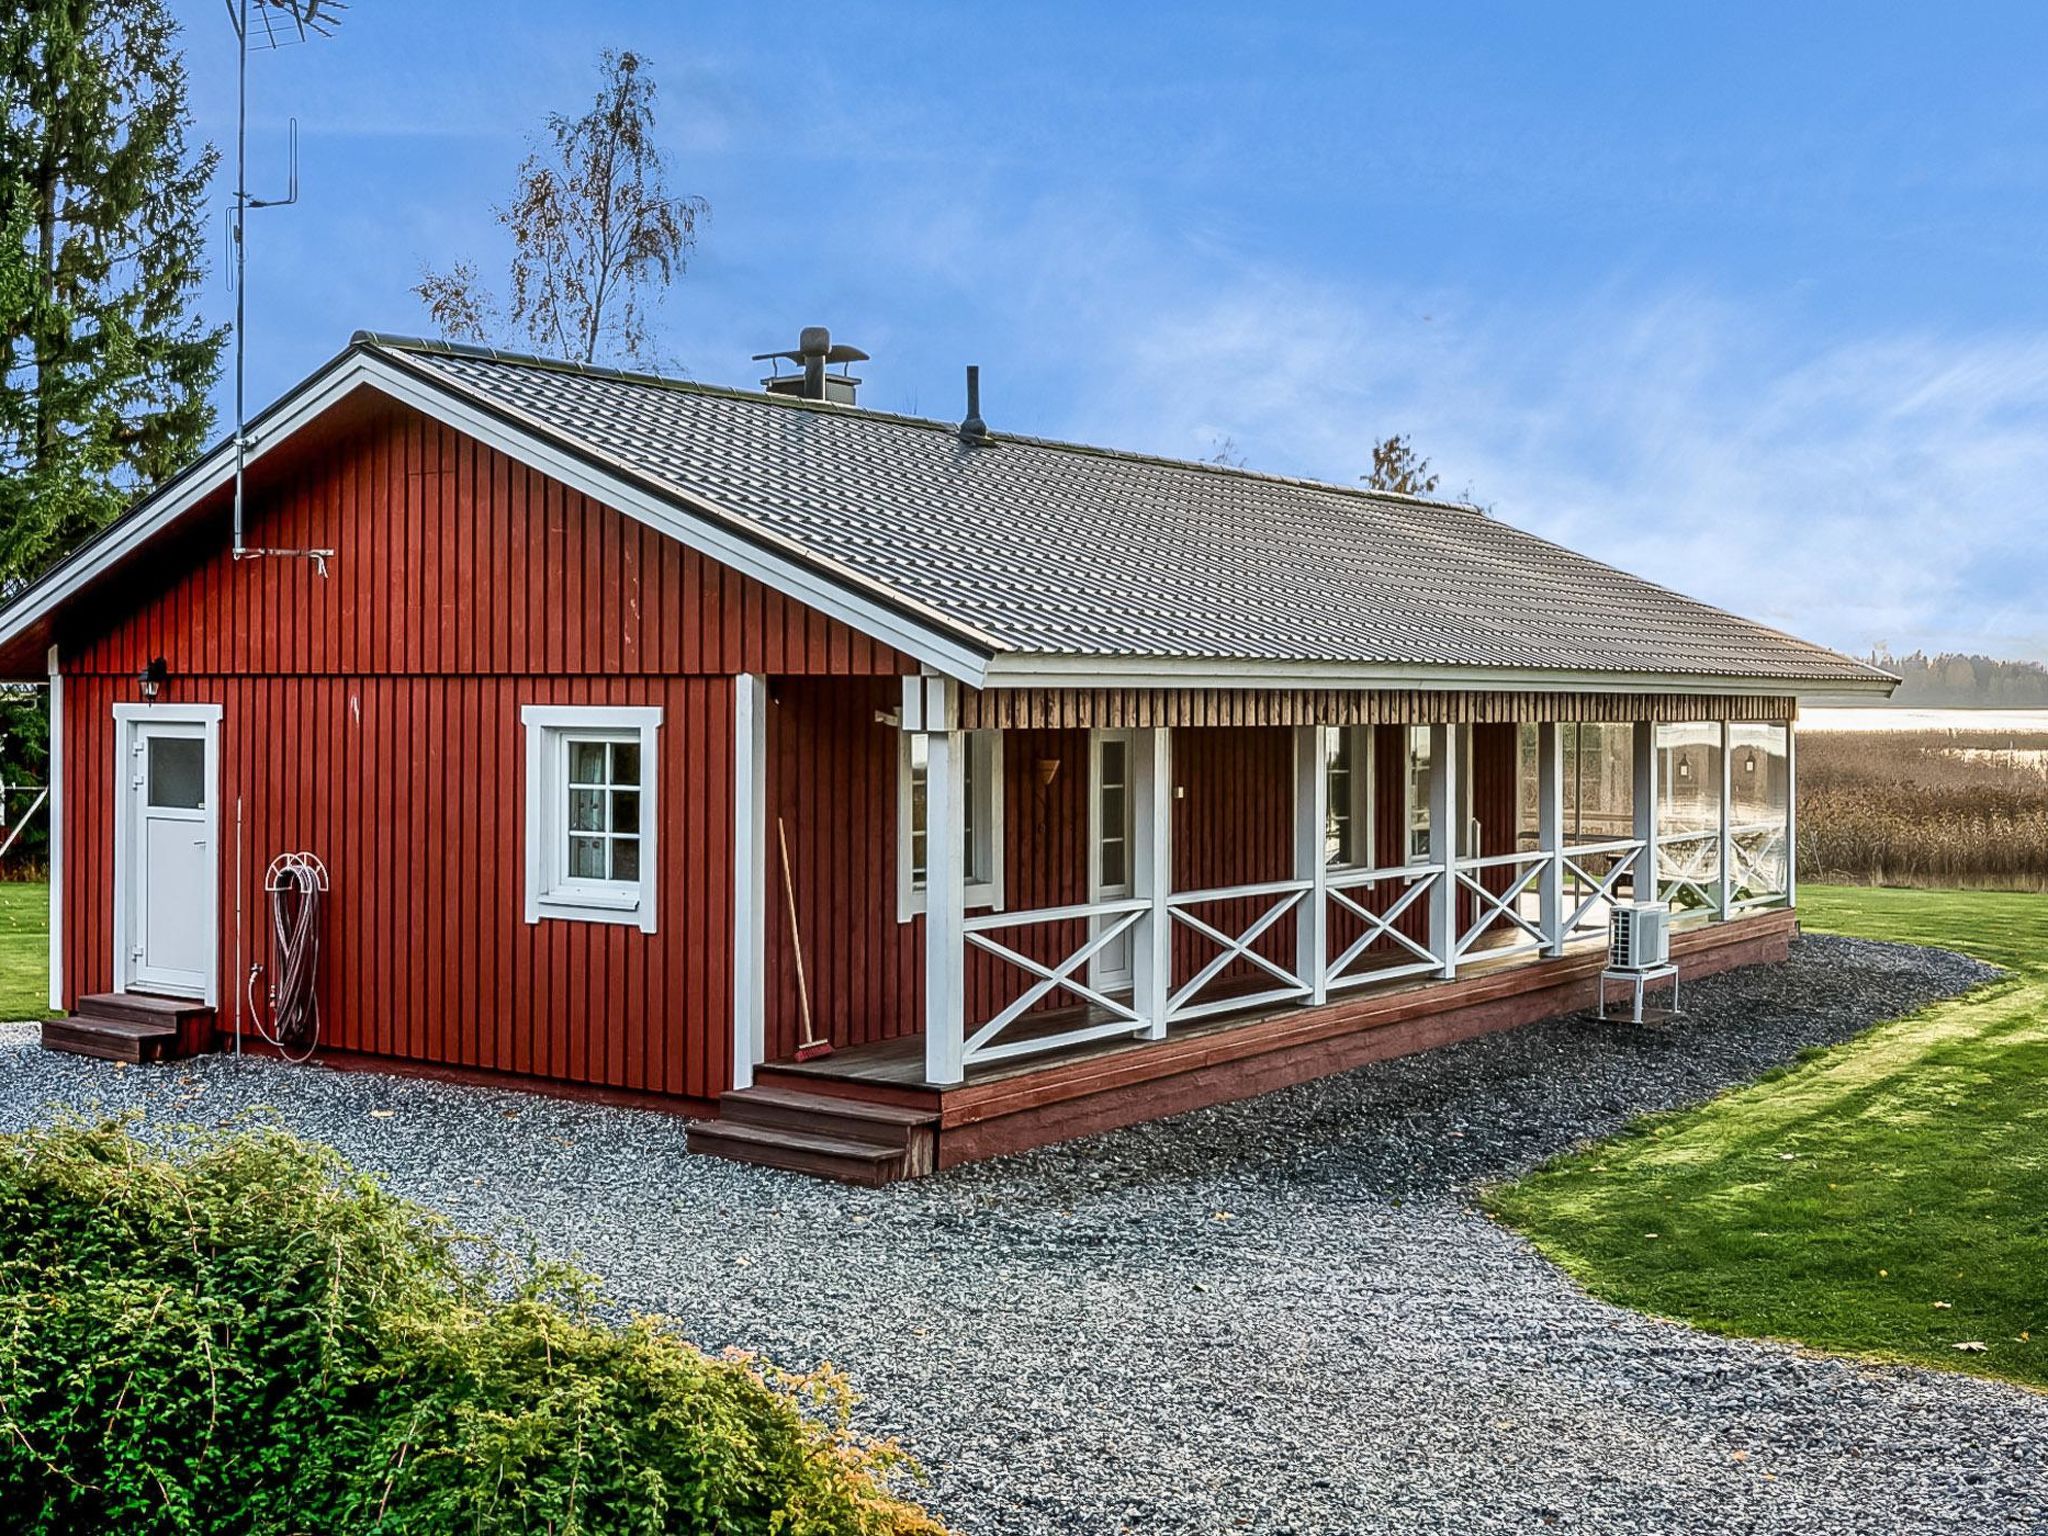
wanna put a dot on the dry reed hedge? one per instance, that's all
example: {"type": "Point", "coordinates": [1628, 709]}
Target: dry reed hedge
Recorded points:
{"type": "Point", "coordinates": [1927, 808]}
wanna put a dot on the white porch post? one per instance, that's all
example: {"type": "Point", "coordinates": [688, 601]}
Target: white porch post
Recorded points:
{"type": "Point", "coordinates": [56, 834]}
{"type": "Point", "coordinates": [1550, 834]}
{"type": "Point", "coordinates": [1725, 886]}
{"type": "Point", "coordinates": [1311, 813]}
{"type": "Point", "coordinates": [1646, 881]}
{"type": "Point", "coordinates": [751, 880]}
{"type": "Point", "coordinates": [945, 889]}
{"type": "Point", "coordinates": [1791, 813]}
{"type": "Point", "coordinates": [1152, 872]}
{"type": "Point", "coordinates": [1444, 802]}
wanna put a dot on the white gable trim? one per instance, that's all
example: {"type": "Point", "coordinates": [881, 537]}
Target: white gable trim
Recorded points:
{"type": "Point", "coordinates": [711, 532]}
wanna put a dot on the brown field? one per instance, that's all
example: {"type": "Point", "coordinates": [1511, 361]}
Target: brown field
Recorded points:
{"type": "Point", "coordinates": [1928, 808]}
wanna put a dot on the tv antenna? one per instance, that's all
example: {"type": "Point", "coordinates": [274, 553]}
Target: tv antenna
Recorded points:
{"type": "Point", "coordinates": [269, 24]}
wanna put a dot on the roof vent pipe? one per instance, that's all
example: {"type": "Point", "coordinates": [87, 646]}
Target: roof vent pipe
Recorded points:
{"type": "Point", "coordinates": [973, 431]}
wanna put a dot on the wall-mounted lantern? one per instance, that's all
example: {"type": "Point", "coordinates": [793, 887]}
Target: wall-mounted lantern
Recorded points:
{"type": "Point", "coordinates": [153, 677]}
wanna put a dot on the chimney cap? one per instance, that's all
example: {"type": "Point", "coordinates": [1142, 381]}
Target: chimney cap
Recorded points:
{"type": "Point", "coordinates": [813, 352]}
{"type": "Point", "coordinates": [816, 341]}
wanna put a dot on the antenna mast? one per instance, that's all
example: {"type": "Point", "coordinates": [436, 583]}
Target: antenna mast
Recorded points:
{"type": "Point", "coordinates": [277, 24]}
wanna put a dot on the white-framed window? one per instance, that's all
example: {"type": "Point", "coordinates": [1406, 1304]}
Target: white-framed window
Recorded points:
{"type": "Point", "coordinates": [1415, 795]}
{"type": "Point", "coordinates": [591, 829]}
{"type": "Point", "coordinates": [982, 795]}
{"type": "Point", "coordinates": [1348, 841]}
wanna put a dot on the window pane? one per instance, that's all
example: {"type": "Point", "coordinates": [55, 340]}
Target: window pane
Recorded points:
{"type": "Point", "coordinates": [1114, 872]}
{"type": "Point", "coordinates": [177, 772]}
{"type": "Point", "coordinates": [1113, 762]}
{"type": "Point", "coordinates": [586, 810]}
{"type": "Point", "coordinates": [1337, 832]}
{"type": "Point", "coordinates": [626, 810]}
{"type": "Point", "coordinates": [586, 858]}
{"type": "Point", "coordinates": [1419, 780]}
{"type": "Point", "coordinates": [626, 858]}
{"type": "Point", "coordinates": [586, 762]}
{"type": "Point", "coordinates": [626, 762]}
{"type": "Point", "coordinates": [1115, 816]}
{"type": "Point", "coordinates": [970, 797]}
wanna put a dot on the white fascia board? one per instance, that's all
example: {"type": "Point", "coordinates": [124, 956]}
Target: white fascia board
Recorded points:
{"type": "Point", "coordinates": [1042, 671]}
{"type": "Point", "coordinates": [208, 475]}
{"type": "Point", "coordinates": [710, 532]}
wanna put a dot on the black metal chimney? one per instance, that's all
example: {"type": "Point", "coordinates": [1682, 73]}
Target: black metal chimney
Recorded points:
{"type": "Point", "coordinates": [973, 431]}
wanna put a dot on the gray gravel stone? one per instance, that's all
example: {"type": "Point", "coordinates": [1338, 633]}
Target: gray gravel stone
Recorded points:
{"type": "Point", "coordinates": [1278, 1316]}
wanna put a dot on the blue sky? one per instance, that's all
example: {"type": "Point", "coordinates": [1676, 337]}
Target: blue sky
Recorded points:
{"type": "Point", "coordinates": [1748, 299]}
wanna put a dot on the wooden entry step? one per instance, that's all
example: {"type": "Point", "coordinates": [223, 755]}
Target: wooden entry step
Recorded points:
{"type": "Point", "coordinates": [131, 1026]}
{"type": "Point", "coordinates": [839, 1138]}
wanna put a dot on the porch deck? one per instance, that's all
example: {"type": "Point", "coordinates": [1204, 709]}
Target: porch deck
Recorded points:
{"type": "Point", "coordinates": [1015, 1103]}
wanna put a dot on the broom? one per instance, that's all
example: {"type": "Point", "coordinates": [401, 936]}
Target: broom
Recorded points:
{"type": "Point", "coordinates": [811, 1046]}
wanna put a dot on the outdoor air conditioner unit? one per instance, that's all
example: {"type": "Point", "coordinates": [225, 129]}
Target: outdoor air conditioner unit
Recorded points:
{"type": "Point", "coordinates": [1639, 936]}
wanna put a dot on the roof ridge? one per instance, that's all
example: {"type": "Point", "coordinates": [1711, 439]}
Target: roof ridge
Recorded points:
{"type": "Point", "coordinates": [431, 345]}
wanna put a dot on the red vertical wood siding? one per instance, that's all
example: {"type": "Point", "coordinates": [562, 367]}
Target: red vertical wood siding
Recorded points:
{"type": "Point", "coordinates": [373, 718]}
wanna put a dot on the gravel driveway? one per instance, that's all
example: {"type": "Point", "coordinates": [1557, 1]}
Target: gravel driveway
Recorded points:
{"type": "Point", "coordinates": [1283, 1316]}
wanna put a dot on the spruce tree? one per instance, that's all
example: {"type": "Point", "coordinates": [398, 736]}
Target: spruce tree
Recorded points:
{"type": "Point", "coordinates": [102, 250]}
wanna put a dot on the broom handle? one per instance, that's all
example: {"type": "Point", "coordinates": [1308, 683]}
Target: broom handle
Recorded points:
{"type": "Point", "coordinates": [796, 939]}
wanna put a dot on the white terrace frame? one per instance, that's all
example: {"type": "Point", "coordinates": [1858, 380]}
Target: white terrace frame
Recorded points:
{"type": "Point", "coordinates": [1567, 883]}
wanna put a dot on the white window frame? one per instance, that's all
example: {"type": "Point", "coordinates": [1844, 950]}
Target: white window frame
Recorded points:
{"type": "Point", "coordinates": [986, 747]}
{"type": "Point", "coordinates": [1468, 834]}
{"type": "Point", "coordinates": [550, 893]}
{"type": "Point", "coordinates": [1363, 801]}
{"type": "Point", "coordinates": [1408, 739]}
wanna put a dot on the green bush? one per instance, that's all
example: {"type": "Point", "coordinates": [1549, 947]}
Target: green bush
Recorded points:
{"type": "Point", "coordinates": [243, 1335]}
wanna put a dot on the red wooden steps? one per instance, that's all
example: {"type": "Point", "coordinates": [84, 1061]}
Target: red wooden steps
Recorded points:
{"type": "Point", "coordinates": [815, 1133]}
{"type": "Point", "coordinates": [131, 1026]}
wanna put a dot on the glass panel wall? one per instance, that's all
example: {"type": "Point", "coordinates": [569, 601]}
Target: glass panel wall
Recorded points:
{"type": "Point", "coordinates": [1760, 798]}
{"type": "Point", "coordinates": [1689, 815]}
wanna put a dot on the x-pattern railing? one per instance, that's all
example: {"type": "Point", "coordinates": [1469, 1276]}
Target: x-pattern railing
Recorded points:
{"type": "Point", "coordinates": [1756, 860]}
{"type": "Point", "coordinates": [1420, 880]}
{"type": "Point", "coordinates": [1492, 907]}
{"type": "Point", "coordinates": [1281, 897]}
{"type": "Point", "coordinates": [1111, 920]}
{"type": "Point", "coordinates": [1590, 890]}
{"type": "Point", "coordinates": [1689, 866]}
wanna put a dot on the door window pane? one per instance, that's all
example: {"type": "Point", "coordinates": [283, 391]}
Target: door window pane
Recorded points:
{"type": "Point", "coordinates": [177, 773]}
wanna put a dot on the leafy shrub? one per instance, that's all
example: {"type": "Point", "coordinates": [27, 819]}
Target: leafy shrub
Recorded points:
{"type": "Point", "coordinates": [243, 1335]}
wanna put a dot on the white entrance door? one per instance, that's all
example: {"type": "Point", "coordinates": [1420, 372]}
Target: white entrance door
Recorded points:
{"type": "Point", "coordinates": [1111, 831]}
{"type": "Point", "coordinates": [167, 883]}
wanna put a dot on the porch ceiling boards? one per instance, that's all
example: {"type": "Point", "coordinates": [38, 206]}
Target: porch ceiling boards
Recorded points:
{"type": "Point", "coordinates": [1032, 709]}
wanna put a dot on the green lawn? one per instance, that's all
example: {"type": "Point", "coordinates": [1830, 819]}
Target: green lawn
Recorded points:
{"type": "Point", "coordinates": [24, 951]}
{"type": "Point", "coordinates": [1887, 1197]}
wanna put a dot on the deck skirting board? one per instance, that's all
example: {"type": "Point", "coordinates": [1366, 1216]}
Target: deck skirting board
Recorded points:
{"type": "Point", "coordinates": [1090, 1096]}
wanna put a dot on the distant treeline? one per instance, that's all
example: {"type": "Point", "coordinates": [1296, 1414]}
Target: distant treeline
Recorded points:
{"type": "Point", "coordinates": [1957, 681]}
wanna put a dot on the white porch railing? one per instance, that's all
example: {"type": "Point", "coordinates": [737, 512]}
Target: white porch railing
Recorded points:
{"type": "Point", "coordinates": [1593, 874]}
{"type": "Point", "coordinates": [1502, 909]}
{"type": "Point", "coordinates": [1420, 880]}
{"type": "Point", "coordinates": [1280, 897]}
{"type": "Point", "coordinates": [1758, 858]}
{"type": "Point", "coordinates": [1110, 921]}
{"type": "Point", "coordinates": [1689, 870]}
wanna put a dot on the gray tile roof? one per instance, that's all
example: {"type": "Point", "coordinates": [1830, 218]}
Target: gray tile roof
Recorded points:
{"type": "Point", "coordinates": [1052, 549]}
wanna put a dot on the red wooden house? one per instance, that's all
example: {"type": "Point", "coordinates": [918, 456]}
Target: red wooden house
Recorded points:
{"type": "Point", "coordinates": [1110, 785]}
